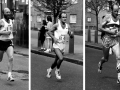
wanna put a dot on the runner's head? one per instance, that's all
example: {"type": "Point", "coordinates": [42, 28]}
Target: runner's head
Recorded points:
{"type": "Point", "coordinates": [63, 17]}
{"type": "Point", "coordinates": [7, 13]}
{"type": "Point", "coordinates": [115, 9]}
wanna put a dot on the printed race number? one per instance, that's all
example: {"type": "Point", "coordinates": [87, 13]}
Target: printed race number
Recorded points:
{"type": "Point", "coordinates": [9, 28]}
{"type": "Point", "coordinates": [62, 38]}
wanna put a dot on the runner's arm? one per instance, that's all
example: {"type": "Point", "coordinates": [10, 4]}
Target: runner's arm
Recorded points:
{"type": "Point", "coordinates": [1, 27]}
{"type": "Point", "coordinates": [106, 20]}
{"type": "Point", "coordinates": [51, 31]}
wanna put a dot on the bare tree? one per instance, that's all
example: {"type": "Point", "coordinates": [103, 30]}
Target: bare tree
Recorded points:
{"type": "Point", "coordinates": [55, 6]}
{"type": "Point", "coordinates": [96, 6]}
{"type": "Point", "coordinates": [118, 1]}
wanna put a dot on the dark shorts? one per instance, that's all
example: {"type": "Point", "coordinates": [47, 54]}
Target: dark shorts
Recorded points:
{"type": "Point", "coordinates": [5, 44]}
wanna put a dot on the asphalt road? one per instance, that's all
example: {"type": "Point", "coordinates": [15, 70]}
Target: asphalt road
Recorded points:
{"type": "Point", "coordinates": [95, 81]}
{"type": "Point", "coordinates": [72, 75]}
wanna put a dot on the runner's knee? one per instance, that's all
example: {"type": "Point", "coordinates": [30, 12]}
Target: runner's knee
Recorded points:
{"type": "Point", "coordinates": [61, 58]}
{"type": "Point", "coordinates": [118, 57]}
{"type": "Point", "coordinates": [103, 59]}
{"type": "Point", "coordinates": [11, 58]}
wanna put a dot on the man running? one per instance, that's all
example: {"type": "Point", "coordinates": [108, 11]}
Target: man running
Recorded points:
{"type": "Point", "coordinates": [6, 40]}
{"type": "Point", "coordinates": [60, 29]}
{"type": "Point", "coordinates": [111, 26]}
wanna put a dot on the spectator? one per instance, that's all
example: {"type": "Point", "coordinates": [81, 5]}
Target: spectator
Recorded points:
{"type": "Point", "coordinates": [42, 35]}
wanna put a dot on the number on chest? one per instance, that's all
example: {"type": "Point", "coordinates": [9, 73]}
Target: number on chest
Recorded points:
{"type": "Point", "coordinates": [62, 38]}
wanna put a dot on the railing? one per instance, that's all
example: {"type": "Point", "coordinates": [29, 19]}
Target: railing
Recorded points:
{"type": "Point", "coordinates": [92, 35]}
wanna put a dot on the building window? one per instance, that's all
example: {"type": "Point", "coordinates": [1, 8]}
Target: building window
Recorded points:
{"type": "Point", "coordinates": [73, 18]}
{"type": "Point", "coordinates": [27, 1]}
{"type": "Point", "coordinates": [89, 10]}
{"type": "Point", "coordinates": [39, 20]}
{"type": "Point", "coordinates": [74, 1]}
{"type": "Point", "coordinates": [89, 19]}
{"type": "Point", "coordinates": [89, 0]}
{"type": "Point", "coordinates": [23, 0]}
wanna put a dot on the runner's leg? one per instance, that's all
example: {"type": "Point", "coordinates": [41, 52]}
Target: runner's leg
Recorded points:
{"type": "Point", "coordinates": [116, 50]}
{"type": "Point", "coordinates": [9, 52]}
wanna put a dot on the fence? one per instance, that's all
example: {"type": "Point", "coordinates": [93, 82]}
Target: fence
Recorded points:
{"type": "Point", "coordinates": [92, 35]}
{"type": "Point", "coordinates": [21, 26]}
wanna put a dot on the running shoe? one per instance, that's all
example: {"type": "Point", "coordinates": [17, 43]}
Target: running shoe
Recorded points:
{"type": "Point", "coordinates": [118, 68]}
{"type": "Point", "coordinates": [57, 73]}
{"type": "Point", "coordinates": [48, 73]}
{"type": "Point", "coordinates": [99, 67]}
{"type": "Point", "coordinates": [48, 51]}
{"type": "Point", "coordinates": [10, 78]}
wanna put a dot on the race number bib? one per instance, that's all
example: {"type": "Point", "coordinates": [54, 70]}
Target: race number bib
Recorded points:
{"type": "Point", "coordinates": [62, 38]}
{"type": "Point", "coordinates": [9, 28]}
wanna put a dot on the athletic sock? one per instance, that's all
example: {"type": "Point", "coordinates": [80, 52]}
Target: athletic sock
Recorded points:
{"type": "Point", "coordinates": [9, 74]}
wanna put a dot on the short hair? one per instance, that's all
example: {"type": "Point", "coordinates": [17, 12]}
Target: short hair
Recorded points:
{"type": "Point", "coordinates": [44, 22]}
{"type": "Point", "coordinates": [60, 15]}
{"type": "Point", "coordinates": [49, 18]}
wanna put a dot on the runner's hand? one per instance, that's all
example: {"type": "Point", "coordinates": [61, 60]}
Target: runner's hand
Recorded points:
{"type": "Point", "coordinates": [8, 32]}
{"type": "Point", "coordinates": [71, 34]}
{"type": "Point", "coordinates": [55, 40]}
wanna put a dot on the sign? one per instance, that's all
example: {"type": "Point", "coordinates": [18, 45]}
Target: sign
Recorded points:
{"type": "Point", "coordinates": [39, 20]}
{"type": "Point", "coordinates": [73, 18]}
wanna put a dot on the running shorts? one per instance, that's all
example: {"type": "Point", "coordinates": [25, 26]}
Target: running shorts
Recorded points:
{"type": "Point", "coordinates": [5, 44]}
{"type": "Point", "coordinates": [60, 46]}
{"type": "Point", "coordinates": [108, 42]}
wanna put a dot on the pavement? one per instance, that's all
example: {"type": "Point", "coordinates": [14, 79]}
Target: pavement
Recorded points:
{"type": "Point", "coordinates": [21, 50]}
{"type": "Point", "coordinates": [76, 58]}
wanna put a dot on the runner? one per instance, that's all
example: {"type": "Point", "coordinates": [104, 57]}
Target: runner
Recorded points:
{"type": "Point", "coordinates": [60, 29]}
{"type": "Point", "coordinates": [111, 26]}
{"type": "Point", "coordinates": [6, 37]}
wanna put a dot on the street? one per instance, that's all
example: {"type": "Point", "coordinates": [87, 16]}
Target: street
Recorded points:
{"type": "Point", "coordinates": [95, 81]}
{"type": "Point", "coordinates": [20, 73]}
{"type": "Point", "coordinates": [72, 75]}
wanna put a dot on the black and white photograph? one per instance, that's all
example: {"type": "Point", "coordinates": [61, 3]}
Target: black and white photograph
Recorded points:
{"type": "Point", "coordinates": [56, 44]}
{"type": "Point", "coordinates": [14, 45]}
{"type": "Point", "coordinates": [102, 45]}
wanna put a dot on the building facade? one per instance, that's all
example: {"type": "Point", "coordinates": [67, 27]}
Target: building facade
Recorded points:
{"type": "Point", "coordinates": [74, 16]}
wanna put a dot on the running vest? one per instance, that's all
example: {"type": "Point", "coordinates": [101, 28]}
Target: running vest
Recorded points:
{"type": "Point", "coordinates": [60, 33]}
{"type": "Point", "coordinates": [112, 24]}
{"type": "Point", "coordinates": [7, 27]}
